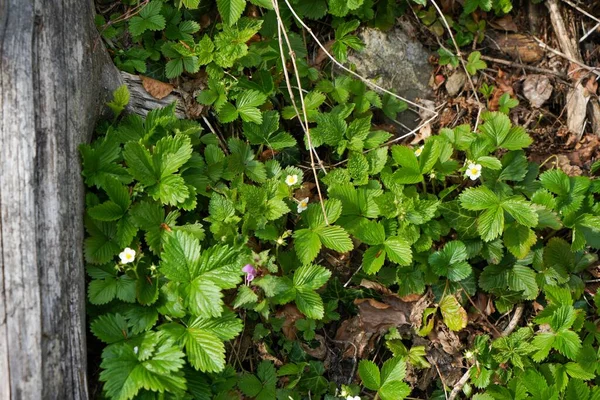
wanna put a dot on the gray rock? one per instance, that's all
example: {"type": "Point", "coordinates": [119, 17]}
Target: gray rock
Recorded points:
{"type": "Point", "coordinates": [395, 62]}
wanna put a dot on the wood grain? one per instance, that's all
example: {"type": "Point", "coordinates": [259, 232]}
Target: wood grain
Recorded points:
{"type": "Point", "coordinates": [54, 78]}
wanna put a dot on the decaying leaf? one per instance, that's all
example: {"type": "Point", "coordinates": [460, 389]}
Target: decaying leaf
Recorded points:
{"type": "Point", "coordinates": [537, 89]}
{"type": "Point", "coordinates": [290, 314]}
{"type": "Point", "coordinates": [157, 89]}
{"type": "Point", "coordinates": [373, 320]}
{"type": "Point", "coordinates": [519, 47]}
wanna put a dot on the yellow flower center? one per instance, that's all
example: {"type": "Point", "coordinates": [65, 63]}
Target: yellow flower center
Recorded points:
{"type": "Point", "coordinates": [474, 171]}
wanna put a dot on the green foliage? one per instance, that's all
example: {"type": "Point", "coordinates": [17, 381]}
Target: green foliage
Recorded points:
{"type": "Point", "coordinates": [229, 235]}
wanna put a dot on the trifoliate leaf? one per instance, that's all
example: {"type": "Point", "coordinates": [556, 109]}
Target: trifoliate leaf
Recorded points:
{"type": "Point", "coordinates": [148, 19]}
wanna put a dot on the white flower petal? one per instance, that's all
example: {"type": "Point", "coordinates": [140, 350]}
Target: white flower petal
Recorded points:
{"type": "Point", "coordinates": [291, 180]}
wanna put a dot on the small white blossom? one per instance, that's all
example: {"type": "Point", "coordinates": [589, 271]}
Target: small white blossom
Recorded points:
{"type": "Point", "coordinates": [469, 354]}
{"type": "Point", "coordinates": [419, 151]}
{"type": "Point", "coordinates": [303, 204]}
{"type": "Point", "coordinates": [136, 349]}
{"type": "Point", "coordinates": [291, 180]}
{"type": "Point", "coordinates": [473, 171]}
{"type": "Point", "coordinates": [127, 255]}
{"type": "Point", "coordinates": [280, 241]}
{"type": "Point", "coordinates": [353, 398]}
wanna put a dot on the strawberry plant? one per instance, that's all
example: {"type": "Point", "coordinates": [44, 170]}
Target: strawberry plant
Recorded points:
{"type": "Point", "coordinates": [217, 268]}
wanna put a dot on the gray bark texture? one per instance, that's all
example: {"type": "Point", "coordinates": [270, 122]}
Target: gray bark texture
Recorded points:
{"type": "Point", "coordinates": [55, 76]}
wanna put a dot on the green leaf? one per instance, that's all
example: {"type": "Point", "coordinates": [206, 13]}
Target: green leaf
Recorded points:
{"type": "Point", "coordinates": [125, 373]}
{"type": "Point", "coordinates": [398, 250]}
{"type": "Point", "coordinates": [489, 162]}
{"type": "Point", "coordinates": [204, 349]}
{"type": "Point", "coordinates": [309, 303]}
{"type": "Point", "coordinates": [335, 238]}
{"type": "Point", "coordinates": [496, 127]}
{"type": "Point", "coordinates": [180, 257]}
{"type": "Point", "coordinates": [491, 223]}
{"type": "Point", "coordinates": [369, 373]}
{"type": "Point", "coordinates": [394, 390]}
{"type": "Point", "coordinates": [479, 198]}
{"type": "Point", "coordinates": [567, 343]}
{"type": "Point", "coordinates": [110, 328]}
{"type": "Point", "coordinates": [120, 100]}
{"type": "Point", "coordinates": [472, 5]}
{"type": "Point", "coordinates": [373, 259]}
{"type": "Point", "coordinates": [474, 62]}
{"type": "Point", "coordinates": [410, 171]}
{"type": "Point", "coordinates": [149, 19]}
{"type": "Point", "coordinates": [231, 10]}
{"type": "Point", "coordinates": [519, 239]}
{"type": "Point", "coordinates": [522, 279]}
{"type": "Point", "coordinates": [556, 181]}
{"type": "Point", "coordinates": [521, 210]}
{"type": "Point", "coordinates": [307, 244]}
{"type": "Point", "coordinates": [247, 104]}
{"type": "Point", "coordinates": [517, 138]}
{"type": "Point", "coordinates": [454, 315]}
{"type": "Point", "coordinates": [311, 276]}
{"type": "Point", "coordinates": [450, 261]}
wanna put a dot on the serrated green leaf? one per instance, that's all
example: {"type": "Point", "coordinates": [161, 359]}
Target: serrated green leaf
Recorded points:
{"type": "Point", "coordinates": [519, 239]}
{"type": "Point", "coordinates": [480, 198]}
{"type": "Point", "coordinates": [369, 373]}
{"type": "Point", "coordinates": [231, 10]}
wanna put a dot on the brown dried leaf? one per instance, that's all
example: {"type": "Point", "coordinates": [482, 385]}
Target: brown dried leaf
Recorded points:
{"type": "Point", "coordinates": [291, 314]}
{"type": "Point", "coordinates": [521, 48]}
{"type": "Point", "coordinates": [264, 354]}
{"type": "Point", "coordinates": [505, 23]}
{"type": "Point", "coordinates": [320, 352]}
{"type": "Point", "coordinates": [375, 286]}
{"type": "Point", "coordinates": [157, 89]}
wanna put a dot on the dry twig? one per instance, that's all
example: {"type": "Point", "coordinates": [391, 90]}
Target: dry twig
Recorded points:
{"type": "Point", "coordinates": [311, 149]}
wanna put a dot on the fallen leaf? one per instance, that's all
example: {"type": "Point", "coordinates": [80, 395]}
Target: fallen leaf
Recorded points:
{"type": "Point", "coordinates": [521, 48]}
{"type": "Point", "coordinates": [505, 23]}
{"type": "Point", "coordinates": [537, 89]}
{"type": "Point", "coordinates": [304, 191]}
{"type": "Point", "coordinates": [265, 355]}
{"type": "Point", "coordinates": [290, 314]}
{"type": "Point", "coordinates": [157, 89]}
{"type": "Point", "coordinates": [360, 333]}
{"type": "Point", "coordinates": [320, 352]}
{"type": "Point", "coordinates": [367, 284]}
{"type": "Point", "coordinates": [565, 164]}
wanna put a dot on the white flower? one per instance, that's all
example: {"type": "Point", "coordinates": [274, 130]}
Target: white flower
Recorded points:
{"type": "Point", "coordinates": [353, 398]}
{"type": "Point", "coordinates": [127, 255]}
{"type": "Point", "coordinates": [473, 171]}
{"type": "Point", "coordinates": [419, 151]}
{"type": "Point", "coordinates": [136, 349]}
{"type": "Point", "coordinates": [291, 180]}
{"type": "Point", "coordinates": [303, 204]}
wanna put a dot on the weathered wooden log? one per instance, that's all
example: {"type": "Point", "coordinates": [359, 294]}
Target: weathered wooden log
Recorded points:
{"type": "Point", "coordinates": [55, 77]}
{"type": "Point", "coordinates": [140, 101]}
